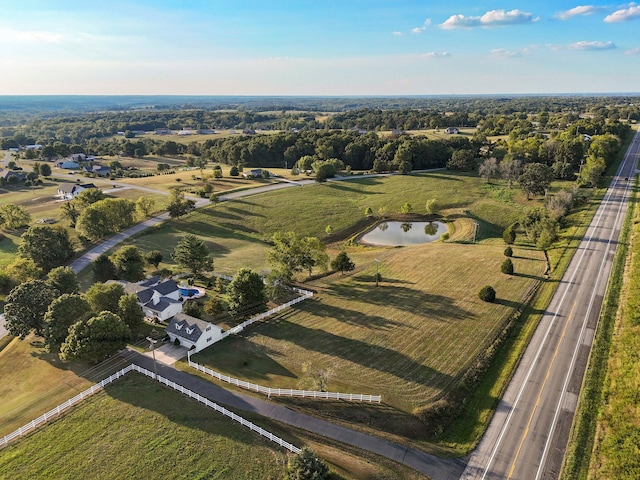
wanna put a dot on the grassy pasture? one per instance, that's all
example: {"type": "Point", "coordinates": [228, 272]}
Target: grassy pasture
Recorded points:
{"type": "Point", "coordinates": [34, 381]}
{"type": "Point", "coordinates": [408, 339]}
{"type": "Point", "coordinates": [137, 428]}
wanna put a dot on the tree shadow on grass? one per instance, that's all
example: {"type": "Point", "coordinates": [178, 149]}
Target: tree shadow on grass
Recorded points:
{"type": "Point", "coordinates": [345, 188]}
{"type": "Point", "coordinates": [404, 298]}
{"type": "Point", "coordinates": [244, 213]}
{"type": "Point", "coordinates": [372, 279]}
{"type": "Point", "coordinates": [219, 214]}
{"type": "Point", "coordinates": [241, 358]}
{"type": "Point", "coordinates": [351, 317]}
{"type": "Point", "coordinates": [355, 351]}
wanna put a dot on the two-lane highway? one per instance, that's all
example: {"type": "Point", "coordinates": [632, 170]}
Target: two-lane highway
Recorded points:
{"type": "Point", "coordinates": [528, 435]}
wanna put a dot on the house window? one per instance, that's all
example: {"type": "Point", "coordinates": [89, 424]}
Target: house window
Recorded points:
{"type": "Point", "coordinates": [209, 339]}
{"type": "Point", "coordinates": [189, 330]}
{"type": "Point", "coordinates": [178, 326]}
{"type": "Point", "coordinates": [208, 328]}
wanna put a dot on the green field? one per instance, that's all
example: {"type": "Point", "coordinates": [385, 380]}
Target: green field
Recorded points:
{"type": "Point", "coordinates": [137, 429]}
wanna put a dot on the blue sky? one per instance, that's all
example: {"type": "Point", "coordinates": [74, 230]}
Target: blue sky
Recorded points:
{"type": "Point", "coordinates": [318, 47]}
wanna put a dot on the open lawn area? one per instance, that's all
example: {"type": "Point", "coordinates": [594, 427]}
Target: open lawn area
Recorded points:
{"type": "Point", "coordinates": [137, 428]}
{"type": "Point", "coordinates": [34, 381]}
{"type": "Point", "coordinates": [409, 339]}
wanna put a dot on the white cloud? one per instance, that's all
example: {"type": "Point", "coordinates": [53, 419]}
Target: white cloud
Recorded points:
{"type": "Point", "coordinates": [422, 28]}
{"type": "Point", "coordinates": [624, 15]}
{"type": "Point", "coordinates": [30, 36]}
{"type": "Point", "coordinates": [492, 18]}
{"type": "Point", "coordinates": [503, 52]}
{"type": "Point", "coordinates": [397, 34]}
{"type": "Point", "coordinates": [579, 10]}
{"type": "Point", "coordinates": [633, 51]}
{"type": "Point", "coordinates": [592, 46]}
{"type": "Point", "coordinates": [436, 54]}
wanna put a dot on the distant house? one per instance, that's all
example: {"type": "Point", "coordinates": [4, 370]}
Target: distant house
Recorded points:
{"type": "Point", "coordinates": [248, 131]}
{"type": "Point", "coordinates": [78, 157]}
{"type": "Point", "coordinates": [99, 170]}
{"type": "Point", "coordinates": [186, 131]}
{"type": "Point", "coordinates": [12, 176]}
{"type": "Point", "coordinates": [67, 164]}
{"type": "Point", "coordinates": [36, 146]}
{"type": "Point", "coordinates": [192, 332]}
{"type": "Point", "coordinates": [69, 191]}
{"type": "Point", "coordinates": [163, 131]}
{"type": "Point", "coordinates": [255, 173]}
{"type": "Point", "coordinates": [452, 131]}
{"type": "Point", "coordinates": [360, 131]}
{"type": "Point", "coordinates": [206, 131]}
{"type": "Point", "coordinates": [158, 299]}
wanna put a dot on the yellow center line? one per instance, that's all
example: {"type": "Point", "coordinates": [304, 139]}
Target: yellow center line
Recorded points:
{"type": "Point", "coordinates": [546, 377]}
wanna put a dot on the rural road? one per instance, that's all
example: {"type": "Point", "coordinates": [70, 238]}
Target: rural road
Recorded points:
{"type": "Point", "coordinates": [86, 258]}
{"type": "Point", "coordinates": [528, 435]}
{"type": "Point", "coordinates": [3, 330]}
{"type": "Point", "coordinates": [434, 467]}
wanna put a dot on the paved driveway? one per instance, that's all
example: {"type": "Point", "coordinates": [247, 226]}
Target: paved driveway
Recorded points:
{"type": "Point", "coordinates": [168, 354]}
{"type": "Point", "coordinates": [3, 330]}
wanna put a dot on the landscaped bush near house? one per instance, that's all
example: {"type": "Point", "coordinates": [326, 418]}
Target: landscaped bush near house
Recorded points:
{"type": "Point", "coordinates": [507, 267]}
{"type": "Point", "coordinates": [487, 293]}
{"type": "Point", "coordinates": [508, 252]}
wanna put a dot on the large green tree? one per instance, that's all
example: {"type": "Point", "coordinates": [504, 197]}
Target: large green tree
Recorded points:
{"type": "Point", "coordinates": [129, 263]}
{"type": "Point", "coordinates": [192, 254]}
{"type": "Point", "coordinates": [105, 296]}
{"type": "Point", "coordinates": [105, 217]}
{"type": "Point", "coordinates": [96, 338]}
{"type": "Point", "coordinates": [294, 254]}
{"type": "Point", "coordinates": [47, 246]}
{"type": "Point", "coordinates": [535, 179]}
{"type": "Point", "coordinates": [13, 216]}
{"type": "Point", "coordinates": [26, 306]}
{"type": "Point", "coordinates": [245, 291]}
{"type": "Point", "coordinates": [178, 205]}
{"type": "Point", "coordinates": [103, 268]}
{"type": "Point", "coordinates": [306, 466]}
{"type": "Point", "coordinates": [63, 312]}
{"type": "Point", "coordinates": [131, 312]}
{"type": "Point", "coordinates": [63, 279]}
{"type": "Point", "coordinates": [342, 263]}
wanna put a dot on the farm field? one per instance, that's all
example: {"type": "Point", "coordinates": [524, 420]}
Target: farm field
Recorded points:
{"type": "Point", "coordinates": [409, 339]}
{"type": "Point", "coordinates": [136, 428]}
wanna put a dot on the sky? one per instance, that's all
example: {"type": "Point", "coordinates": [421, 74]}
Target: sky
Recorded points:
{"type": "Point", "coordinates": [317, 47]}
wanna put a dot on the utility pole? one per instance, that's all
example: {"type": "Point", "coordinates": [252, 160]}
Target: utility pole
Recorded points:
{"type": "Point", "coordinates": [475, 230]}
{"type": "Point", "coordinates": [153, 351]}
{"type": "Point", "coordinates": [377, 269]}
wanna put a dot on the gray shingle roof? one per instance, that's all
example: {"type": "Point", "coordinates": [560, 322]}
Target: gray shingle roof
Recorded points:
{"type": "Point", "coordinates": [187, 327]}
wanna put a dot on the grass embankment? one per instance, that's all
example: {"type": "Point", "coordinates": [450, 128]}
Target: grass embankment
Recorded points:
{"type": "Point", "coordinates": [605, 436]}
{"type": "Point", "coordinates": [136, 427]}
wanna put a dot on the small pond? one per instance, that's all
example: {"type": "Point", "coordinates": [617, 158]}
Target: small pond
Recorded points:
{"type": "Point", "coordinates": [404, 233]}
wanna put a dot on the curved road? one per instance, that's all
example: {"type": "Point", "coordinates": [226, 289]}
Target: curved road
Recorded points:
{"type": "Point", "coordinates": [528, 435]}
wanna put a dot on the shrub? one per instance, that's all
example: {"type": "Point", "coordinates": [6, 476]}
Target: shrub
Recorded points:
{"type": "Point", "coordinates": [306, 466]}
{"type": "Point", "coordinates": [508, 252]}
{"type": "Point", "coordinates": [487, 294]}
{"type": "Point", "coordinates": [509, 235]}
{"type": "Point", "coordinates": [444, 237]}
{"type": "Point", "coordinates": [507, 267]}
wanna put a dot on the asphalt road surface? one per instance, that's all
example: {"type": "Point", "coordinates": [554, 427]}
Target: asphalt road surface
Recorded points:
{"type": "Point", "coordinates": [528, 435]}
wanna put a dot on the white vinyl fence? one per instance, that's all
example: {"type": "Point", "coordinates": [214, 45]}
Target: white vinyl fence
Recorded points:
{"type": "Point", "coordinates": [304, 294]}
{"type": "Point", "coordinates": [285, 392]}
{"type": "Point", "coordinates": [90, 391]}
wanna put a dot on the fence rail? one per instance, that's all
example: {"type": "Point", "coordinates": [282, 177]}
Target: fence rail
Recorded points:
{"type": "Point", "coordinates": [55, 412]}
{"type": "Point", "coordinates": [304, 294]}
{"type": "Point", "coordinates": [51, 414]}
{"type": "Point", "coordinates": [356, 397]}
{"type": "Point", "coordinates": [217, 408]}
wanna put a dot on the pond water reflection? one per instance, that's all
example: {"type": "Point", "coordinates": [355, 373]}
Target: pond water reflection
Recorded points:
{"type": "Point", "coordinates": [404, 233]}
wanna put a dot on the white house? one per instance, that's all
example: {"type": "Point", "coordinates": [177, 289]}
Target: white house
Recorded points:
{"type": "Point", "coordinates": [452, 131]}
{"type": "Point", "coordinates": [192, 332]}
{"type": "Point", "coordinates": [67, 164]}
{"type": "Point", "coordinates": [69, 191]}
{"type": "Point", "coordinates": [158, 299]}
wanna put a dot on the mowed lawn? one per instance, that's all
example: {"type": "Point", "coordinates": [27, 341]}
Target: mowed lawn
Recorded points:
{"type": "Point", "coordinates": [34, 381]}
{"type": "Point", "coordinates": [409, 339]}
{"type": "Point", "coordinates": [138, 429]}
